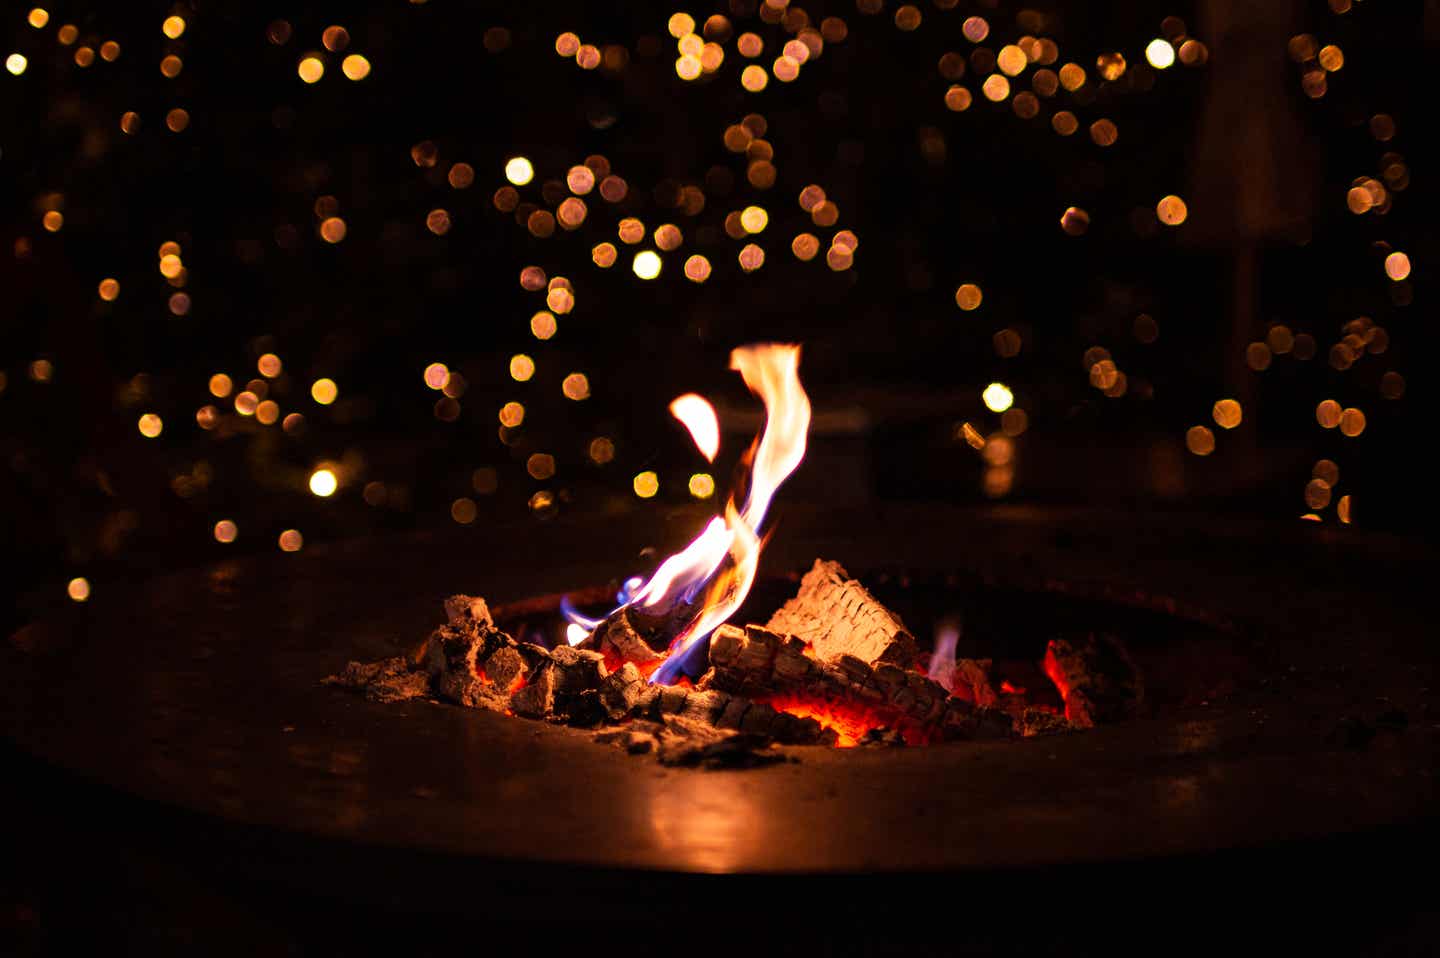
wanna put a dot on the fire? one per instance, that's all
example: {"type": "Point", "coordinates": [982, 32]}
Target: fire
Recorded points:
{"type": "Point", "coordinates": [1052, 669]}
{"type": "Point", "coordinates": [851, 721]}
{"type": "Point", "coordinates": [698, 416]}
{"type": "Point", "coordinates": [942, 661]}
{"type": "Point", "coordinates": [720, 563]}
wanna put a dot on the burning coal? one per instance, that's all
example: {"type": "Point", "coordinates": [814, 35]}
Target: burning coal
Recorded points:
{"type": "Point", "coordinates": [701, 586]}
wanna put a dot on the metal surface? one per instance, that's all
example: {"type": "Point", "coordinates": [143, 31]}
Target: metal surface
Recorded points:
{"type": "Point", "coordinates": [199, 692]}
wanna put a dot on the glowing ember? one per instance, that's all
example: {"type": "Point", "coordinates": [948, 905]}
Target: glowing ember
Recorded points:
{"type": "Point", "coordinates": [849, 720]}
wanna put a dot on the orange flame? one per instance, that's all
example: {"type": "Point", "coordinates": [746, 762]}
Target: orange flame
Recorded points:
{"type": "Point", "coordinates": [771, 370]}
{"type": "Point", "coordinates": [698, 416]}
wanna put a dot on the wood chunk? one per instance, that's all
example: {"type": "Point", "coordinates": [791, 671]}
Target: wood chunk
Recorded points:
{"type": "Point", "coordinates": [620, 690]}
{"type": "Point", "coordinates": [733, 714]}
{"type": "Point", "coordinates": [472, 693]}
{"type": "Point", "coordinates": [726, 643]}
{"type": "Point", "coordinates": [791, 663]}
{"type": "Point", "coordinates": [1097, 678]}
{"type": "Point", "coordinates": [891, 680]}
{"type": "Point", "coordinates": [468, 612]}
{"type": "Point", "coordinates": [759, 718]}
{"type": "Point", "coordinates": [671, 699]}
{"type": "Point", "coordinates": [619, 637]}
{"type": "Point", "coordinates": [450, 650]}
{"type": "Point", "coordinates": [837, 616]}
{"type": "Point", "coordinates": [972, 682]}
{"type": "Point", "coordinates": [467, 638]}
{"type": "Point", "coordinates": [758, 652]}
{"type": "Point", "coordinates": [705, 706]}
{"type": "Point", "coordinates": [389, 680]}
{"type": "Point", "coordinates": [537, 698]}
{"type": "Point", "coordinates": [505, 667]}
{"type": "Point", "coordinates": [576, 670]}
{"type": "Point", "coordinates": [757, 662]}
{"type": "Point", "coordinates": [647, 703]}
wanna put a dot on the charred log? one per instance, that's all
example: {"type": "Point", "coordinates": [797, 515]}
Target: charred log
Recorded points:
{"type": "Point", "coordinates": [1097, 678]}
{"type": "Point", "coordinates": [618, 640]}
{"type": "Point", "coordinates": [619, 691]}
{"type": "Point", "coordinates": [756, 661]}
{"type": "Point", "coordinates": [836, 616]}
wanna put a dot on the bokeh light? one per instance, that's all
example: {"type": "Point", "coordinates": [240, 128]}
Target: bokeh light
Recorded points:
{"type": "Point", "coordinates": [324, 391]}
{"type": "Point", "coordinates": [647, 264]}
{"type": "Point", "coordinates": [1160, 54]}
{"type": "Point", "coordinates": [997, 397]}
{"type": "Point", "coordinates": [519, 171]}
{"type": "Point", "coordinates": [323, 482]}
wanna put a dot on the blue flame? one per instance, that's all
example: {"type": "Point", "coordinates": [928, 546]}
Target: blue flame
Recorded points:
{"type": "Point", "coordinates": [682, 662]}
{"type": "Point", "coordinates": [628, 589]}
{"type": "Point", "coordinates": [567, 609]}
{"type": "Point", "coordinates": [624, 597]}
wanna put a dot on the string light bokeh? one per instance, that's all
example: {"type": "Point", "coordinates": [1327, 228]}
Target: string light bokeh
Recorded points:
{"type": "Point", "coordinates": [279, 279]}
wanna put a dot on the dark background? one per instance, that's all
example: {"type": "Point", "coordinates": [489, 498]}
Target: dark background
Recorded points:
{"type": "Point", "coordinates": [937, 198]}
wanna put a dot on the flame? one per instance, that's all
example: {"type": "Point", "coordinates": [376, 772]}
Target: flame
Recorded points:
{"type": "Point", "coordinates": [723, 559]}
{"type": "Point", "coordinates": [772, 371]}
{"type": "Point", "coordinates": [1056, 676]}
{"type": "Point", "coordinates": [698, 416]}
{"type": "Point", "coordinates": [942, 661]}
{"type": "Point", "coordinates": [726, 592]}
{"type": "Point", "coordinates": [695, 563]}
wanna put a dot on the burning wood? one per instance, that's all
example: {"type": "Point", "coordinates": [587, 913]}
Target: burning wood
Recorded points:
{"type": "Point", "coordinates": [833, 666]}
{"type": "Point", "coordinates": [618, 640]}
{"type": "Point", "coordinates": [763, 686]}
{"type": "Point", "coordinates": [759, 662]}
{"type": "Point", "coordinates": [1097, 678]}
{"type": "Point", "coordinates": [838, 616]}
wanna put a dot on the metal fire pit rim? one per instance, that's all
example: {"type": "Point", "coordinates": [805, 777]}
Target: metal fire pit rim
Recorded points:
{"type": "Point", "coordinates": [344, 757]}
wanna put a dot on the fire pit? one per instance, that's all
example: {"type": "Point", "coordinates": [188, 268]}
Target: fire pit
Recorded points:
{"type": "Point", "coordinates": [196, 695]}
{"type": "Point", "coordinates": [667, 673]}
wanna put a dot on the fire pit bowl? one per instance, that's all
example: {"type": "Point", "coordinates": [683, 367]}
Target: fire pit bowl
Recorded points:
{"type": "Point", "coordinates": [184, 716]}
